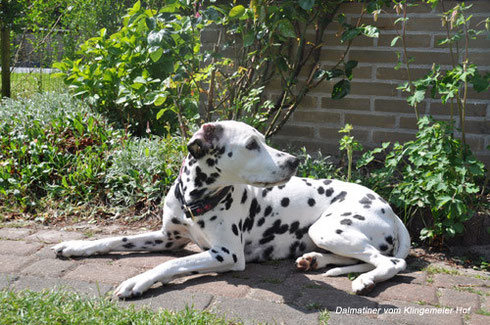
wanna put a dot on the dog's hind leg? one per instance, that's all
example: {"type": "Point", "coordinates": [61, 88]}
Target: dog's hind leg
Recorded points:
{"type": "Point", "coordinates": [317, 260]}
{"type": "Point", "coordinates": [346, 239]}
{"type": "Point", "coordinates": [152, 241]}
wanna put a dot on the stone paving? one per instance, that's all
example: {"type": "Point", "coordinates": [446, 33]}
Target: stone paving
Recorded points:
{"type": "Point", "coordinates": [272, 292]}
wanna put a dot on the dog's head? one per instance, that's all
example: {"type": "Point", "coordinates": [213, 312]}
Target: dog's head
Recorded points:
{"type": "Point", "coordinates": [240, 153]}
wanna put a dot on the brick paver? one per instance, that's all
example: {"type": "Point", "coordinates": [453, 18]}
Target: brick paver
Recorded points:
{"type": "Point", "coordinates": [273, 292]}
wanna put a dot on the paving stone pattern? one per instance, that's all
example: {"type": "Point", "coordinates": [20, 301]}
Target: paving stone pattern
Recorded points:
{"type": "Point", "coordinates": [272, 292]}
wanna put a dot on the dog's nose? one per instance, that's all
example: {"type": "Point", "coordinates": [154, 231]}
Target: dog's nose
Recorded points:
{"type": "Point", "coordinates": [293, 163]}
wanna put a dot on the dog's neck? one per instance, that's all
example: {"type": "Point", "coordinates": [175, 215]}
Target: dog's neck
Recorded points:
{"type": "Point", "coordinates": [198, 179]}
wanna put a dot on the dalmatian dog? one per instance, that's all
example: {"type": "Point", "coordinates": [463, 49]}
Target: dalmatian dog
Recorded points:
{"type": "Point", "coordinates": [238, 200]}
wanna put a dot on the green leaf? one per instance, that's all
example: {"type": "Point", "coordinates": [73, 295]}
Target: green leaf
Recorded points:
{"type": "Point", "coordinates": [156, 55]}
{"type": "Point", "coordinates": [416, 98]}
{"type": "Point", "coordinates": [370, 31]}
{"type": "Point", "coordinates": [159, 100]}
{"type": "Point", "coordinates": [161, 112]}
{"type": "Point", "coordinates": [236, 12]}
{"type": "Point", "coordinates": [306, 4]}
{"type": "Point", "coordinates": [394, 40]}
{"type": "Point", "coordinates": [341, 89]}
{"type": "Point", "coordinates": [350, 34]}
{"type": "Point", "coordinates": [248, 38]}
{"type": "Point", "coordinates": [285, 28]}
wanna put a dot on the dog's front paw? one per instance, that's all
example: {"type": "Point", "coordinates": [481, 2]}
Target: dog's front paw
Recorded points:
{"type": "Point", "coordinates": [74, 248]}
{"type": "Point", "coordinates": [134, 287]}
{"type": "Point", "coordinates": [362, 285]}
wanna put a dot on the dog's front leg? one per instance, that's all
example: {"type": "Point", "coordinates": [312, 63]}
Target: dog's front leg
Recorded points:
{"type": "Point", "coordinates": [152, 241]}
{"type": "Point", "coordinates": [214, 260]}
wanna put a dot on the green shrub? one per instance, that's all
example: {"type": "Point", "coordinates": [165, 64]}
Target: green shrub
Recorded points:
{"type": "Point", "coordinates": [316, 167]}
{"type": "Point", "coordinates": [51, 145]}
{"type": "Point", "coordinates": [434, 174]}
{"type": "Point", "coordinates": [142, 170]}
{"type": "Point", "coordinates": [145, 74]}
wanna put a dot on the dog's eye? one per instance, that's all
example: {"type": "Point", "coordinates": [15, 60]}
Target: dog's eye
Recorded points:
{"type": "Point", "coordinates": [253, 145]}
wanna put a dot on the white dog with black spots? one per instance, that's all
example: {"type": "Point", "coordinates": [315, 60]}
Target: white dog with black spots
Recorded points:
{"type": "Point", "coordinates": [238, 200]}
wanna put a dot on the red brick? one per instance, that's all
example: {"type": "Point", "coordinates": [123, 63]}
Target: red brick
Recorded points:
{"type": "Point", "coordinates": [361, 40]}
{"type": "Point", "coordinates": [475, 142]}
{"type": "Point", "coordinates": [391, 136]}
{"type": "Point", "coordinates": [370, 120]}
{"type": "Point", "coordinates": [331, 55]}
{"type": "Point", "coordinates": [393, 106]}
{"type": "Point", "coordinates": [362, 73]}
{"type": "Point", "coordinates": [361, 104]}
{"type": "Point", "coordinates": [373, 56]}
{"type": "Point", "coordinates": [98, 272]}
{"type": "Point", "coordinates": [477, 127]}
{"type": "Point", "coordinates": [413, 24]}
{"type": "Point", "coordinates": [479, 43]}
{"type": "Point", "coordinates": [316, 116]}
{"type": "Point", "coordinates": [408, 123]}
{"type": "Point", "coordinates": [453, 298]}
{"type": "Point", "coordinates": [400, 74]}
{"type": "Point", "coordinates": [12, 263]}
{"type": "Point", "coordinates": [413, 40]}
{"type": "Point", "coordinates": [472, 109]}
{"type": "Point", "coordinates": [49, 267]}
{"type": "Point", "coordinates": [373, 88]}
{"type": "Point", "coordinates": [18, 248]}
{"type": "Point", "coordinates": [428, 57]}
{"type": "Point", "coordinates": [480, 58]}
{"type": "Point", "coordinates": [297, 131]}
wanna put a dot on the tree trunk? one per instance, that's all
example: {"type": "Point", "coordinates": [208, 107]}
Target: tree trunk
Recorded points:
{"type": "Point", "coordinates": [5, 52]}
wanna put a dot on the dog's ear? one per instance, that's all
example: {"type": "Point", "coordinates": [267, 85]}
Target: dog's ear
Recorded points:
{"type": "Point", "coordinates": [202, 141]}
{"type": "Point", "coordinates": [197, 148]}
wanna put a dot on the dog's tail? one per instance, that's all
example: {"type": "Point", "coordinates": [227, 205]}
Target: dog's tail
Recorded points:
{"type": "Point", "coordinates": [403, 239]}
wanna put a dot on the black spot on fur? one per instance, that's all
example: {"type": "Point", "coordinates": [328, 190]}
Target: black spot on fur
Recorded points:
{"type": "Point", "coordinates": [219, 258]}
{"type": "Point", "coordinates": [230, 154]}
{"type": "Point", "coordinates": [267, 211]}
{"type": "Point", "coordinates": [327, 182]}
{"type": "Point", "coordinates": [244, 197]}
{"type": "Point", "coordinates": [268, 252]}
{"type": "Point", "coordinates": [365, 201]}
{"type": "Point", "coordinates": [235, 259]}
{"type": "Point", "coordinates": [383, 211]}
{"type": "Point", "coordinates": [311, 202]}
{"type": "Point", "coordinates": [276, 228]}
{"type": "Point", "coordinates": [389, 240]}
{"type": "Point", "coordinates": [234, 229]}
{"type": "Point", "coordinates": [329, 192]}
{"type": "Point", "coordinates": [265, 191]}
{"type": "Point", "coordinates": [394, 261]}
{"type": "Point", "coordinates": [292, 249]}
{"type": "Point", "coordinates": [285, 202]}
{"type": "Point", "coordinates": [338, 231]}
{"type": "Point", "coordinates": [201, 223]}
{"type": "Point", "coordinates": [345, 214]}
{"type": "Point", "coordinates": [254, 209]}
{"type": "Point", "coordinates": [158, 241]}
{"type": "Point", "coordinates": [195, 272]}
{"type": "Point", "coordinates": [195, 194]}
{"type": "Point", "coordinates": [266, 239]}
{"type": "Point", "coordinates": [176, 221]}
{"type": "Point", "coordinates": [321, 190]}
{"type": "Point", "coordinates": [225, 250]}
{"type": "Point", "coordinates": [383, 247]}
{"type": "Point", "coordinates": [359, 217]}
{"type": "Point", "coordinates": [346, 222]}
{"type": "Point", "coordinates": [340, 197]}
{"type": "Point", "coordinates": [129, 245]}
{"type": "Point", "coordinates": [294, 226]}
{"type": "Point", "coordinates": [213, 218]}
{"type": "Point", "coordinates": [260, 222]}
{"type": "Point", "coordinates": [210, 162]}
{"type": "Point", "coordinates": [281, 187]}
{"type": "Point", "coordinates": [301, 232]}
{"type": "Point", "coordinates": [124, 239]}
{"type": "Point", "coordinates": [302, 247]}
{"type": "Point", "coordinates": [149, 242]}
{"type": "Point", "coordinates": [370, 196]}
{"type": "Point", "coordinates": [169, 244]}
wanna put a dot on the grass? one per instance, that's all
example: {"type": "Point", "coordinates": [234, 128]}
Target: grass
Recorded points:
{"type": "Point", "coordinates": [324, 317]}
{"type": "Point", "coordinates": [26, 84]}
{"type": "Point", "coordinates": [63, 307]}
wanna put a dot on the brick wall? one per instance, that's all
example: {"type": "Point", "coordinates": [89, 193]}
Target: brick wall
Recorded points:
{"type": "Point", "coordinates": [376, 109]}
